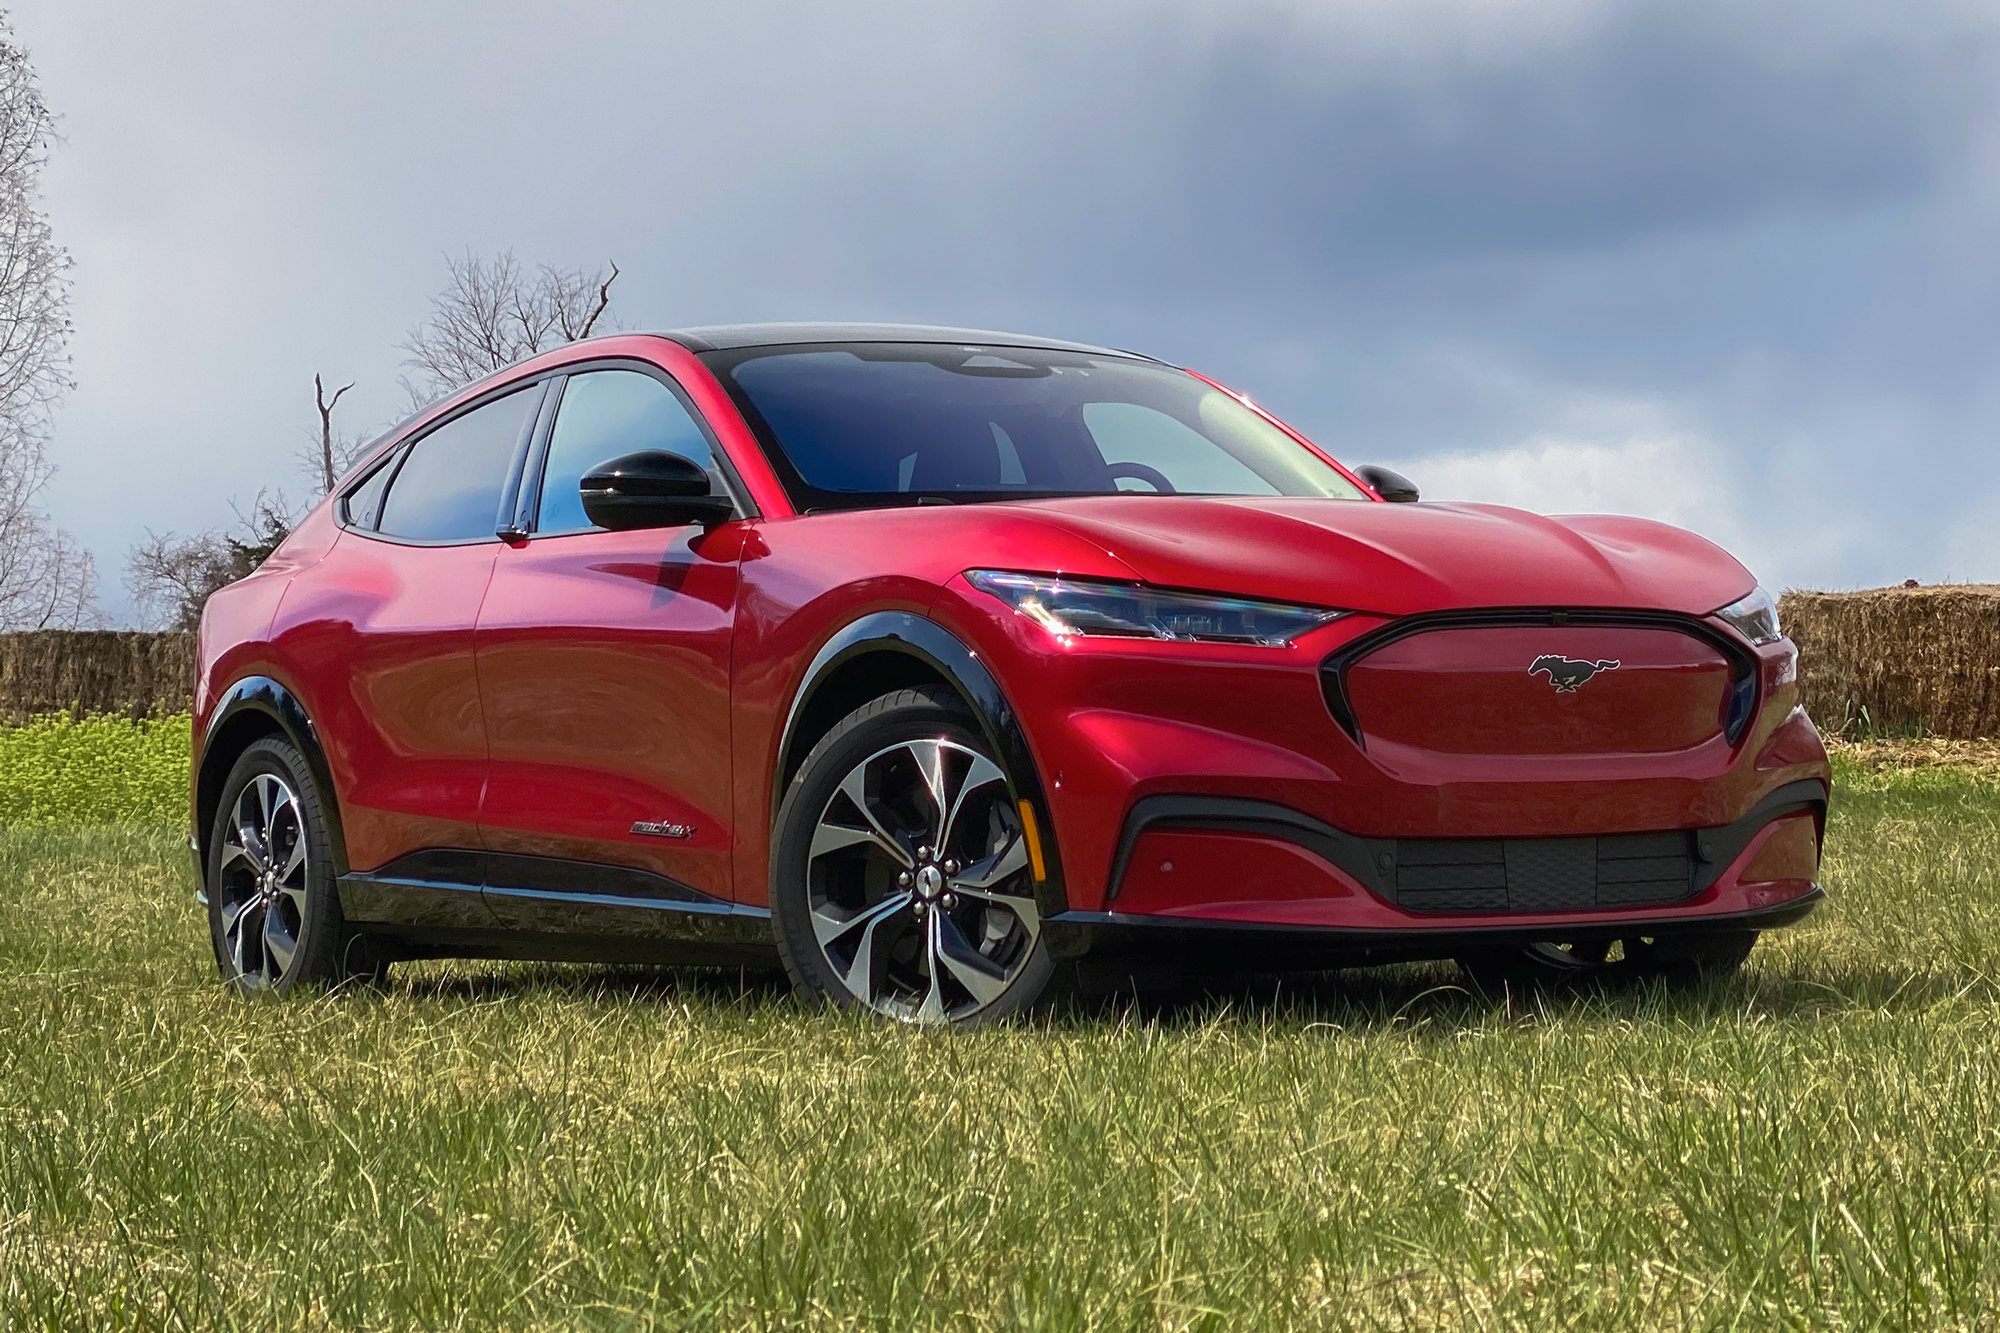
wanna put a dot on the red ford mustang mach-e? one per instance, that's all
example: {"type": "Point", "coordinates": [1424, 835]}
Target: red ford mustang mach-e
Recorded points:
{"type": "Point", "coordinates": [941, 664]}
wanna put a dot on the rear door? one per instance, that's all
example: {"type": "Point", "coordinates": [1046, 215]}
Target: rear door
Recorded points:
{"type": "Point", "coordinates": [604, 671]}
{"type": "Point", "coordinates": [385, 624]}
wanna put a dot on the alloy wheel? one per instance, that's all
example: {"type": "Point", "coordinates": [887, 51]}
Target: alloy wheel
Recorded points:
{"type": "Point", "coordinates": [918, 883]}
{"type": "Point", "coordinates": [262, 881]}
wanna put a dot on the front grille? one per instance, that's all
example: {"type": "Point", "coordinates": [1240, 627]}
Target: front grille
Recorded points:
{"type": "Point", "coordinates": [1543, 874]}
{"type": "Point", "coordinates": [1550, 629]}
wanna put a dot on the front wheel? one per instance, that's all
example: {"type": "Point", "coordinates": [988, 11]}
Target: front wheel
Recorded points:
{"type": "Point", "coordinates": [1678, 959]}
{"type": "Point", "coordinates": [901, 879]}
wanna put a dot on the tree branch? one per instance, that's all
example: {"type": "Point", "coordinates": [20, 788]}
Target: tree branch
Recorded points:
{"type": "Point", "coordinates": [603, 301]}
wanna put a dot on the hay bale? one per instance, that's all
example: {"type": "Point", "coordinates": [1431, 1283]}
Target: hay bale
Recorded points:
{"type": "Point", "coordinates": [95, 671]}
{"type": "Point", "coordinates": [1904, 659]}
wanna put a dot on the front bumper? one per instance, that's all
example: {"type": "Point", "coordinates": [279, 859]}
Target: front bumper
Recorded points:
{"type": "Point", "coordinates": [1250, 881]}
{"type": "Point", "coordinates": [1121, 730]}
{"type": "Point", "coordinates": [1226, 857]}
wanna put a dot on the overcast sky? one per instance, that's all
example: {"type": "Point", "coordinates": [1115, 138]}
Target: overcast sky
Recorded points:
{"type": "Point", "coordinates": [1734, 265]}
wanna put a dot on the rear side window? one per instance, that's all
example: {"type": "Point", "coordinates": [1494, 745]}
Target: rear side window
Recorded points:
{"type": "Point", "coordinates": [364, 502]}
{"type": "Point", "coordinates": [606, 414]}
{"type": "Point", "coordinates": [448, 489]}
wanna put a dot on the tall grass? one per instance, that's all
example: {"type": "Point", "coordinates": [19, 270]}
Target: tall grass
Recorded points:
{"type": "Point", "coordinates": [494, 1146]}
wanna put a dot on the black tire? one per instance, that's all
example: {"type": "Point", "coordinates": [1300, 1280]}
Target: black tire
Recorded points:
{"type": "Point", "coordinates": [1682, 959]}
{"type": "Point", "coordinates": [965, 944]}
{"type": "Point", "coordinates": [250, 915]}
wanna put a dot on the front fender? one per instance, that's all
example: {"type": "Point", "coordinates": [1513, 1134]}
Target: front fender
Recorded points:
{"type": "Point", "coordinates": [937, 647]}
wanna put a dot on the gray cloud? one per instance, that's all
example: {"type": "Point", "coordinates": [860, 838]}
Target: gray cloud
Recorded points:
{"type": "Point", "coordinates": [1747, 242]}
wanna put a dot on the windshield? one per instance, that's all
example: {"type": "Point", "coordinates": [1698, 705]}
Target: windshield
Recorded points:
{"type": "Point", "coordinates": [856, 424]}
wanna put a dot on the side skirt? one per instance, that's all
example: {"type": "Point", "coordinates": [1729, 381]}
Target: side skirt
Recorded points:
{"type": "Point", "coordinates": [456, 903]}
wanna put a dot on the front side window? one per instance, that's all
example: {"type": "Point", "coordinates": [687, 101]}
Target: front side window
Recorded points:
{"type": "Point", "coordinates": [856, 424]}
{"type": "Point", "coordinates": [448, 488]}
{"type": "Point", "coordinates": [606, 414]}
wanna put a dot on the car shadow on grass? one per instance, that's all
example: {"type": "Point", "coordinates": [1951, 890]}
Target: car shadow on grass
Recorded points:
{"type": "Point", "coordinates": [1429, 996]}
{"type": "Point", "coordinates": [1437, 997]}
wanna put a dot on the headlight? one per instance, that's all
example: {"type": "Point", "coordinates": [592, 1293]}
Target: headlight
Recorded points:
{"type": "Point", "coordinates": [1130, 611]}
{"type": "Point", "coordinates": [1756, 616]}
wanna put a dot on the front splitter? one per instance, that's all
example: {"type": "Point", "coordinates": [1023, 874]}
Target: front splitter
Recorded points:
{"type": "Point", "coordinates": [1234, 945]}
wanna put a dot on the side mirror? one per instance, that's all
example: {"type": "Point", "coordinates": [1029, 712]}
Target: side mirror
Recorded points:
{"type": "Point", "coordinates": [1391, 485]}
{"type": "Point", "coordinates": [651, 489]}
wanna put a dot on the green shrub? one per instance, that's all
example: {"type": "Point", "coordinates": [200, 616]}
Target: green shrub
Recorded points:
{"type": "Point", "coordinates": [62, 771]}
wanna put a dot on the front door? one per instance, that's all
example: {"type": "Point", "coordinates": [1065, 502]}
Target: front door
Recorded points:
{"type": "Point", "coordinates": [604, 671]}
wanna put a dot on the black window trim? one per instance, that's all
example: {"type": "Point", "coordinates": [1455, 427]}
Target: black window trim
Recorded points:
{"type": "Point", "coordinates": [528, 502]}
{"type": "Point", "coordinates": [506, 515]}
{"type": "Point", "coordinates": [530, 455]}
{"type": "Point", "coordinates": [397, 454]}
{"type": "Point", "coordinates": [389, 460]}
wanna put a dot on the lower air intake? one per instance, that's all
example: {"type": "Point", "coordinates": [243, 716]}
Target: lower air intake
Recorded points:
{"type": "Point", "coordinates": [1451, 875]}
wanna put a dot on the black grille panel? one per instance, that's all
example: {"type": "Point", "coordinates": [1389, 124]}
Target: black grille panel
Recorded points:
{"type": "Point", "coordinates": [1452, 875]}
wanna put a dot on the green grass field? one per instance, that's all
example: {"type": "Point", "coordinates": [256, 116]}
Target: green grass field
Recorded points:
{"type": "Point", "coordinates": [1814, 1145]}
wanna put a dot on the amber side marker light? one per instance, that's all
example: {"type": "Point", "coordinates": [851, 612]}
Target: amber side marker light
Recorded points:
{"type": "Point", "coordinates": [1034, 837]}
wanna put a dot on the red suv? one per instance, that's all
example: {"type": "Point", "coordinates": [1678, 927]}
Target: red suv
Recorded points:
{"type": "Point", "coordinates": [936, 663]}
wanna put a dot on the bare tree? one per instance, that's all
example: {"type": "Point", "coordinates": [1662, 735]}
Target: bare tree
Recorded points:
{"type": "Point", "coordinates": [332, 452]}
{"type": "Point", "coordinates": [46, 579]}
{"type": "Point", "coordinates": [493, 313]}
{"type": "Point", "coordinates": [171, 576]}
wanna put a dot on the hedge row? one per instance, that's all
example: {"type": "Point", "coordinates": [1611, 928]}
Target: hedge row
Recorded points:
{"type": "Point", "coordinates": [95, 671]}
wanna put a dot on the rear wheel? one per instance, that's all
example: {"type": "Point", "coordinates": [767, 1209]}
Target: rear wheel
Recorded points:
{"type": "Point", "coordinates": [1680, 959]}
{"type": "Point", "coordinates": [901, 878]}
{"type": "Point", "coordinates": [273, 906]}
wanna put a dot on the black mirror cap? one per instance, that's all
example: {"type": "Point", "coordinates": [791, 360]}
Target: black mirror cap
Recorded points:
{"type": "Point", "coordinates": [1391, 485]}
{"type": "Point", "coordinates": [652, 489]}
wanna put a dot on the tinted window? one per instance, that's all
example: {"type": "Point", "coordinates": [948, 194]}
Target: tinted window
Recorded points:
{"type": "Point", "coordinates": [604, 415]}
{"type": "Point", "coordinates": [449, 487]}
{"type": "Point", "coordinates": [1156, 443]}
{"type": "Point", "coordinates": [365, 500]}
{"type": "Point", "coordinates": [861, 423]}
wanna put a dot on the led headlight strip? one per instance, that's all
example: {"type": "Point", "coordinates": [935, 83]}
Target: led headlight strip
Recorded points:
{"type": "Point", "coordinates": [1756, 616]}
{"type": "Point", "coordinates": [1093, 608]}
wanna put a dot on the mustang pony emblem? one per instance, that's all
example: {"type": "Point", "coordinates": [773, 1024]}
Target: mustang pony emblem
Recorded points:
{"type": "Point", "coordinates": [1566, 673]}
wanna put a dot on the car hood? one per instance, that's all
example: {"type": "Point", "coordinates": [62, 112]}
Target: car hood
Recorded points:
{"type": "Point", "coordinates": [1400, 559]}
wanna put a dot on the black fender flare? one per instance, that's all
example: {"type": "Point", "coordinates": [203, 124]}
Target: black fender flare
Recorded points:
{"type": "Point", "coordinates": [944, 652]}
{"type": "Point", "coordinates": [272, 702]}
